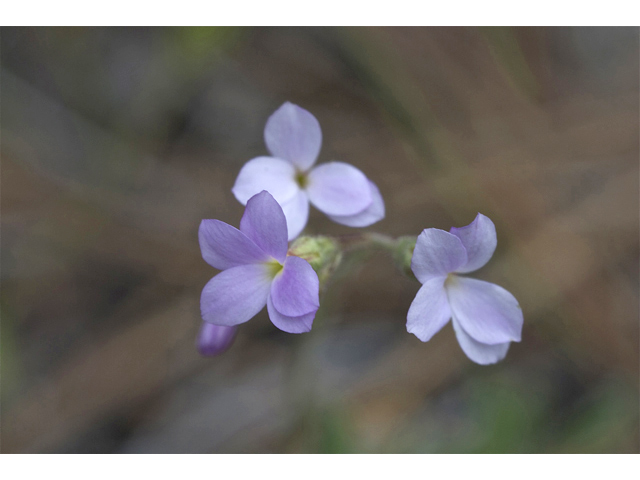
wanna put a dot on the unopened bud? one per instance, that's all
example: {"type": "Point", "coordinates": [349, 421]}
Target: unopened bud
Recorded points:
{"type": "Point", "coordinates": [323, 254]}
{"type": "Point", "coordinates": [214, 339]}
{"type": "Point", "coordinates": [403, 253]}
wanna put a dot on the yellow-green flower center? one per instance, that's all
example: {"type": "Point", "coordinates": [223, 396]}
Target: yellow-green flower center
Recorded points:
{"type": "Point", "coordinates": [451, 280]}
{"type": "Point", "coordinates": [301, 179]}
{"type": "Point", "coordinates": [274, 267]}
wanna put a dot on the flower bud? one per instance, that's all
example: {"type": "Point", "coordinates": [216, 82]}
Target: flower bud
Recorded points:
{"type": "Point", "coordinates": [403, 253]}
{"type": "Point", "coordinates": [323, 254]}
{"type": "Point", "coordinates": [214, 339]}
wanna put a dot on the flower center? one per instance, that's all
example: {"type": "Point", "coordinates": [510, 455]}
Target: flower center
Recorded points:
{"type": "Point", "coordinates": [301, 179]}
{"type": "Point", "coordinates": [274, 267]}
{"type": "Point", "coordinates": [451, 280]}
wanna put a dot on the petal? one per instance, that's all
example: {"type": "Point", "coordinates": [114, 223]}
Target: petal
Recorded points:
{"type": "Point", "coordinates": [479, 352]}
{"type": "Point", "coordinates": [214, 339]}
{"type": "Point", "coordinates": [429, 311]}
{"type": "Point", "coordinates": [486, 311]}
{"type": "Point", "coordinates": [295, 290]}
{"type": "Point", "coordinates": [266, 173]}
{"type": "Point", "coordinates": [369, 216]}
{"type": "Point", "coordinates": [264, 223]}
{"type": "Point", "coordinates": [437, 253]}
{"type": "Point", "coordinates": [294, 134]}
{"type": "Point", "coordinates": [301, 324]}
{"type": "Point", "coordinates": [236, 295]}
{"type": "Point", "coordinates": [479, 239]}
{"type": "Point", "coordinates": [296, 211]}
{"type": "Point", "coordinates": [338, 188]}
{"type": "Point", "coordinates": [224, 246]}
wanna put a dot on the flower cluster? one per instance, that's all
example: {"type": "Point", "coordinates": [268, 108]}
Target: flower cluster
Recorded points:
{"type": "Point", "coordinates": [258, 267]}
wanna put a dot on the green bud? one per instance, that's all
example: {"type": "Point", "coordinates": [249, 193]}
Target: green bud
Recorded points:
{"type": "Point", "coordinates": [403, 253]}
{"type": "Point", "coordinates": [323, 254]}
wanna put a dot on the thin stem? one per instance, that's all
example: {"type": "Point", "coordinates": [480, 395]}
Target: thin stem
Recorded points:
{"type": "Point", "coordinates": [364, 240]}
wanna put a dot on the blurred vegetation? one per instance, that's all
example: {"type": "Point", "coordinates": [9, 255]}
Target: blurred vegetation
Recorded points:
{"type": "Point", "coordinates": [116, 142]}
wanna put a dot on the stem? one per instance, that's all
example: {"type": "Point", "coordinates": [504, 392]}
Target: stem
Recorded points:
{"type": "Point", "coordinates": [364, 240]}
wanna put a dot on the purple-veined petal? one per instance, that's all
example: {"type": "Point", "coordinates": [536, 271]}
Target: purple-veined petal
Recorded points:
{"type": "Point", "coordinates": [479, 239]}
{"type": "Point", "coordinates": [294, 134]}
{"type": "Point", "coordinates": [370, 215]}
{"type": "Point", "coordinates": [479, 352]}
{"type": "Point", "coordinates": [236, 295]}
{"type": "Point", "coordinates": [437, 253]}
{"type": "Point", "coordinates": [295, 290]}
{"type": "Point", "coordinates": [224, 246]}
{"type": "Point", "coordinates": [274, 175]}
{"type": "Point", "coordinates": [264, 223]}
{"type": "Point", "coordinates": [429, 311]}
{"type": "Point", "coordinates": [337, 188]}
{"type": "Point", "coordinates": [486, 311]}
{"type": "Point", "coordinates": [301, 324]}
{"type": "Point", "coordinates": [214, 339]}
{"type": "Point", "coordinates": [296, 212]}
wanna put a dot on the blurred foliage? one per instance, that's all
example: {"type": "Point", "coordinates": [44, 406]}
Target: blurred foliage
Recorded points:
{"type": "Point", "coordinates": [197, 43]}
{"type": "Point", "coordinates": [505, 47]}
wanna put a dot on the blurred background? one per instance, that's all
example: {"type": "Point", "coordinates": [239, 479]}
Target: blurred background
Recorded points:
{"type": "Point", "coordinates": [116, 142]}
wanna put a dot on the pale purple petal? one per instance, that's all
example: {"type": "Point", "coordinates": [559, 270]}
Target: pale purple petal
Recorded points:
{"type": "Point", "coordinates": [214, 339]}
{"type": "Point", "coordinates": [264, 223]}
{"type": "Point", "coordinates": [296, 211]}
{"type": "Point", "coordinates": [479, 239]}
{"type": "Point", "coordinates": [479, 352]}
{"type": "Point", "coordinates": [224, 246]}
{"type": "Point", "coordinates": [429, 311]}
{"type": "Point", "coordinates": [294, 134]}
{"type": "Point", "coordinates": [295, 290]}
{"type": "Point", "coordinates": [301, 324]}
{"type": "Point", "coordinates": [337, 188]}
{"type": "Point", "coordinates": [236, 295]}
{"type": "Point", "coordinates": [487, 312]}
{"type": "Point", "coordinates": [437, 253]}
{"type": "Point", "coordinates": [274, 175]}
{"type": "Point", "coordinates": [369, 216]}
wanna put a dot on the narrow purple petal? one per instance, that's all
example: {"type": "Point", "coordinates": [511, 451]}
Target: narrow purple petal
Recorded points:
{"type": "Point", "coordinates": [338, 188]}
{"type": "Point", "coordinates": [293, 134]}
{"type": "Point", "coordinates": [369, 216]}
{"type": "Point", "coordinates": [479, 352]}
{"type": "Point", "coordinates": [274, 175]}
{"type": "Point", "coordinates": [236, 295]}
{"type": "Point", "coordinates": [224, 246]}
{"type": "Point", "coordinates": [437, 253]}
{"type": "Point", "coordinates": [301, 324]}
{"type": "Point", "coordinates": [479, 239]}
{"type": "Point", "coordinates": [296, 211]}
{"type": "Point", "coordinates": [486, 311]}
{"type": "Point", "coordinates": [295, 290]}
{"type": "Point", "coordinates": [264, 223]}
{"type": "Point", "coordinates": [214, 339]}
{"type": "Point", "coordinates": [429, 311]}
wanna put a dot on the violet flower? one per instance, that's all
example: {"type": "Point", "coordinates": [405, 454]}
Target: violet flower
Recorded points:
{"type": "Point", "coordinates": [485, 317]}
{"type": "Point", "coordinates": [256, 271]}
{"type": "Point", "coordinates": [339, 190]}
{"type": "Point", "coordinates": [214, 339]}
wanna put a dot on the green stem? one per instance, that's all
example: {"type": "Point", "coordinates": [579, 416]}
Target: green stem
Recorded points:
{"type": "Point", "coordinates": [365, 240]}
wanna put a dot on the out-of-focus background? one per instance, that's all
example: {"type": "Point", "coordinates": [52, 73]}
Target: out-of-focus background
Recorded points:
{"type": "Point", "coordinates": [117, 142]}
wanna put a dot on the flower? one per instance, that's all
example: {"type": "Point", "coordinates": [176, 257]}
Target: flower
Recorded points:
{"type": "Point", "coordinates": [214, 339]}
{"type": "Point", "coordinates": [256, 271]}
{"type": "Point", "coordinates": [485, 317]}
{"type": "Point", "coordinates": [339, 190]}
